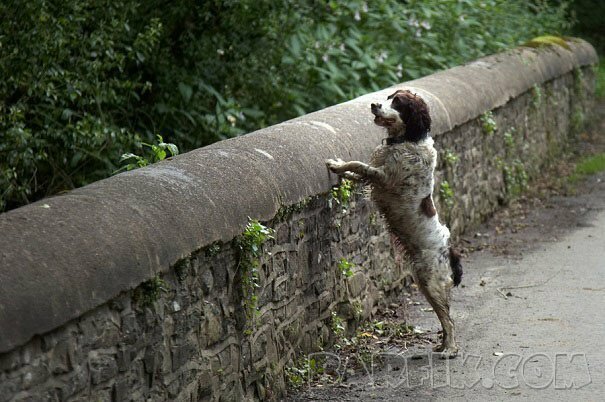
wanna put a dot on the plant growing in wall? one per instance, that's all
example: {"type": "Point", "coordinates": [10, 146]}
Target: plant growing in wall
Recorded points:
{"type": "Point", "coordinates": [579, 83]}
{"type": "Point", "coordinates": [342, 194]}
{"type": "Point", "coordinates": [345, 267]}
{"type": "Point", "coordinates": [357, 310]}
{"type": "Point", "coordinates": [578, 118]}
{"type": "Point", "coordinates": [488, 124]}
{"type": "Point", "coordinates": [305, 369]}
{"type": "Point", "coordinates": [450, 158]}
{"type": "Point", "coordinates": [536, 96]}
{"type": "Point", "coordinates": [446, 194]}
{"type": "Point", "coordinates": [249, 245]}
{"type": "Point", "coordinates": [285, 212]}
{"type": "Point", "coordinates": [509, 140]}
{"type": "Point", "coordinates": [446, 197]}
{"type": "Point", "coordinates": [515, 178]}
{"type": "Point", "coordinates": [150, 291]}
{"type": "Point", "coordinates": [337, 325]}
{"type": "Point", "coordinates": [213, 249]}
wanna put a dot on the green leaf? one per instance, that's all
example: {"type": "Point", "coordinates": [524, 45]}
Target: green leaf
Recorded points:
{"type": "Point", "coordinates": [186, 91]}
{"type": "Point", "coordinates": [295, 45]}
{"type": "Point", "coordinates": [173, 149]}
{"type": "Point", "coordinates": [127, 156]}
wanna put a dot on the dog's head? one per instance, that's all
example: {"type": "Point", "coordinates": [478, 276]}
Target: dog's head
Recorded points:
{"type": "Point", "coordinates": [408, 116]}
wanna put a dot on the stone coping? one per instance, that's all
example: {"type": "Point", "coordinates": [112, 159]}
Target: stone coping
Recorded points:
{"type": "Point", "coordinates": [63, 256]}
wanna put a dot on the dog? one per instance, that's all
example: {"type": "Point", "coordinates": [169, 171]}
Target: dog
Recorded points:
{"type": "Point", "coordinates": [400, 176]}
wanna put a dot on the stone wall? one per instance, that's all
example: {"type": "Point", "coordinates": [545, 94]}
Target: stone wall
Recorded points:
{"type": "Point", "coordinates": [193, 340]}
{"type": "Point", "coordinates": [136, 288]}
{"type": "Point", "coordinates": [485, 169]}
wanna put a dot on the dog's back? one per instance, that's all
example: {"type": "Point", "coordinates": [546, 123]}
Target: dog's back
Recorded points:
{"type": "Point", "coordinates": [405, 199]}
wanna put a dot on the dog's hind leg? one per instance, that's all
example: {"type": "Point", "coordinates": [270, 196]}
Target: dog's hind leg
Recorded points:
{"type": "Point", "coordinates": [436, 285]}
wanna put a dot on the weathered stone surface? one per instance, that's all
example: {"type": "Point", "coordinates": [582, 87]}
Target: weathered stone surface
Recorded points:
{"type": "Point", "coordinates": [103, 367]}
{"type": "Point", "coordinates": [62, 357]}
{"type": "Point", "coordinates": [196, 342]}
{"type": "Point", "coordinates": [357, 284]}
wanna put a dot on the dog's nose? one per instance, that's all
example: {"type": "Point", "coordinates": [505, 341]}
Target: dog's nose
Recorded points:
{"type": "Point", "coordinates": [376, 106]}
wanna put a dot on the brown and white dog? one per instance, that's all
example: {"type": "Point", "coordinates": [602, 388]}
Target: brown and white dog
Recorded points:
{"type": "Point", "coordinates": [400, 174]}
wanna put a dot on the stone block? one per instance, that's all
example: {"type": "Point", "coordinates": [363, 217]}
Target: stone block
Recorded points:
{"type": "Point", "coordinates": [282, 234]}
{"type": "Point", "coordinates": [259, 347]}
{"type": "Point", "coordinates": [207, 280]}
{"type": "Point", "coordinates": [35, 374]}
{"type": "Point", "coordinates": [103, 367]}
{"type": "Point", "coordinates": [356, 284]}
{"type": "Point", "coordinates": [181, 354]}
{"type": "Point", "coordinates": [213, 324]}
{"type": "Point", "coordinates": [8, 388]}
{"type": "Point", "coordinates": [220, 276]}
{"type": "Point", "coordinates": [62, 357]}
{"type": "Point", "coordinates": [75, 382]}
{"type": "Point", "coordinates": [125, 356]}
{"type": "Point", "coordinates": [121, 390]}
{"type": "Point", "coordinates": [280, 288]}
{"type": "Point", "coordinates": [130, 330]}
{"type": "Point", "coordinates": [152, 360]}
{"type": "Point", "coordinates": [10, 361]}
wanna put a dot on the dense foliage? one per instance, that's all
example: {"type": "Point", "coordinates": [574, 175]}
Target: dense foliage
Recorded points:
{"type": "Point", "coordinates": [70, 90]}
{"type": "Point", "coordinates": [590, 22]}
{"type": "Point", "coordinates": [85, 81]}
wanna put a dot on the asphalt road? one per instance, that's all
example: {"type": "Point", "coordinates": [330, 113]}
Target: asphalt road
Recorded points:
{"type": "Point", "coordinates": [531, 323]}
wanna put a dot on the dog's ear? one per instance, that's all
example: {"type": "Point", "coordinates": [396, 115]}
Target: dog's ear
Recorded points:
{"type": "Point", "coordinates": [420, 113]}
{"type": "Point", "coordinates": [391, 96]}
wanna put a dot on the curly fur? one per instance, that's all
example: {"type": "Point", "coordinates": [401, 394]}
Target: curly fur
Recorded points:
{"type": "Point", "coordinates": [400, 174]}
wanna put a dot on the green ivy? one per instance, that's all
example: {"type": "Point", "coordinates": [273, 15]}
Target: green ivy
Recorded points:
{"type": "Point", "coordinates": [345, 267]}
{"type": "Point", "coordinates": [342, 194]}
{"type": "Point", "coordinates": [450, 158]}
{"type": "Point", "coordinates": [536, 96]}
{"type": "Point", "coordinates": [515, 178]}
{"type": "Point", "coordinates": [249, 245]}
{"type": "Point", "coordinates": [150, 291]}
{"type": "Point", "coordinates": [446, 194]}
{"type": "Point", "coordinates": [488, 123]}
{"type": "Point", "coordinates": [305, 369]}
{"type": "Point", "coordinates": [509, 139]}
{"type": "Point", "coordinates": [337, 325]}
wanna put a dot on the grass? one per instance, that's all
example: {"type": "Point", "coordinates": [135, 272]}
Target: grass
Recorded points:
{"type": "Point", "coordinates": [589, 165]}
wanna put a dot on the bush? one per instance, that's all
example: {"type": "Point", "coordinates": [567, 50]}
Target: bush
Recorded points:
{"type": "Point", "coordinates": [590, 22]}
{"type": "Point", "coordinates": [70, 84]}
{"type": "Point", "coordinates": [352, 48]}
{"type": "Point", "coordinates": [85, 82]}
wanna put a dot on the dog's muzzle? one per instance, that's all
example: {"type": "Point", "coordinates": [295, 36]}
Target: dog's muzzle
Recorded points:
{"type": "Point", "coordinates": [376, 109]}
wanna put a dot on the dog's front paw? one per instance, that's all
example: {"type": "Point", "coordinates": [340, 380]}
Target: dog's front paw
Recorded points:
{"type": "Point", "coordinates": [335, 165]}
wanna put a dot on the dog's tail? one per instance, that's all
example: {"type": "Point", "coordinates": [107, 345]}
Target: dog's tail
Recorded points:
{"type": "Point", "coordinates": [456, 266]}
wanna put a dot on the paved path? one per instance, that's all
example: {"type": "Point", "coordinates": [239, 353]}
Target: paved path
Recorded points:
{"type": "Point", "coordinates": [530, 328]}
